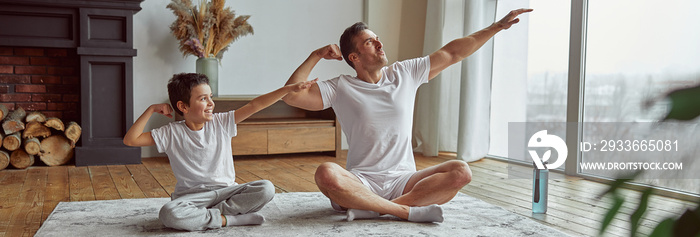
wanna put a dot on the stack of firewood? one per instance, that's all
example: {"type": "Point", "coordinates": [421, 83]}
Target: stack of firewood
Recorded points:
{"type": "Point", "coordinates": [26, 135]}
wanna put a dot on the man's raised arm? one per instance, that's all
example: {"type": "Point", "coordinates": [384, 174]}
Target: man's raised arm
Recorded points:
{"type": "Point", "coordinates": [310, 98]}
{"type": "Point", "coordinates": [457, 50]}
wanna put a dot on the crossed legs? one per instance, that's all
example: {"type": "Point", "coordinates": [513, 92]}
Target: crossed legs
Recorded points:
{"type": "Point", "coordinates": [205, 209]}
{"type": "Point", "coordinates": [435, 185]}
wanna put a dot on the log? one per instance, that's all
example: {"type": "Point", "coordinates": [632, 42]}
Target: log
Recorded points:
{"type": "Point", "coordinates": [55, 123]}
{"type": "Point", "coordinates": [4, 160]}
{"type": "Point", "coordinates": [3, 111]}
{"type": "Point", "coordinates": [32, 146]}
{"type": "Point", "coordinates": [11, 126]}
{"type": "Point", "coordinates": [13, 123]}
{"type": "Point", "coordinates": [35, 116]}
{"type": "Point", "coordinates": [36, 129]}
{"type": "Point", "coordinates": [56, 150]}
{"type": "Point", "coordinates": [12, 142]}
{"type": "Point", "coordinates": [73, 132]}
{"type": "Point", "coordinates": [1, 139]}
{"type": "Point", "coordinates": [21, 160]}
{"type": "Point", "coordinates": [17, 114]}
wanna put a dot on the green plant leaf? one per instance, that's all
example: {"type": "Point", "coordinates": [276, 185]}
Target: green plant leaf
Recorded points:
{"type": "Point", "coordinates": [685, 104]}
{"type": "Point", "coordinates": [618, 183]}
{"type": "Point", "coordinates": [637, 215]}
{"type": "Point", "coordinates": [611, 213]}
{"type": "Point", "coordinates": [663, 229]}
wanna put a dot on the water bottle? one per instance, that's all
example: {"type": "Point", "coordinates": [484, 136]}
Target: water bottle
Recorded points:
{"type": "Point", "coordinates": [539, 190]}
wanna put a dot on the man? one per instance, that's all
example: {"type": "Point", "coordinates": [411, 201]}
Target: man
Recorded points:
{"type": "Point", "coordinates": [375, 110]}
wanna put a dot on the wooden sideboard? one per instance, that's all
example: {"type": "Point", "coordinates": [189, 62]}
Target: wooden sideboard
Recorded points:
{"type": "Point", "coordinates": [281, 129]}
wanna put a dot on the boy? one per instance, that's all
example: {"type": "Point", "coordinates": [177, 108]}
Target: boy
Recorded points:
{"type": "Point", "coordinates": [206, 195]}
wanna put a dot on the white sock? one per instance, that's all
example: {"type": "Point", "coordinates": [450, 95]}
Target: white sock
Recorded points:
{"type": "Point", "coordinates": [245, 219]}
{"type": "Point", "coordinates": [361, 214]}
{"type": "Point", "coordinates": [432, 213]}
{"type": "Point", "coordinates": [337, 207]}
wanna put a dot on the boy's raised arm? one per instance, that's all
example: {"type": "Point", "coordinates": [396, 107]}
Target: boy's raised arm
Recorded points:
{"type": "Point", "coordinates": [135, 136]}
{"type": "Point", "coordinates": [264, 101]}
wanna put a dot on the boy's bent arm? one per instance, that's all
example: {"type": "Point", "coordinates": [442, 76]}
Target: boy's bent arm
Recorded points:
{"type": "Point", "coordinates": [135, 136]}
{"type": "Point", "coordinates": [310, 98]}
{"type": "Point", "coordinates": [264, 101]}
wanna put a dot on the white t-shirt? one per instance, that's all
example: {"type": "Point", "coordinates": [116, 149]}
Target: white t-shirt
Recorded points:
{"type": "Point", "coordinates": [199, 158]}
{"type": "Point", "coordinates": [378, 118]}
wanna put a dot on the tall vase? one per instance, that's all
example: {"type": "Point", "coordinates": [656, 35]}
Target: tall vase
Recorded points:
{"type": "Point", "coordinates": [210, 67]}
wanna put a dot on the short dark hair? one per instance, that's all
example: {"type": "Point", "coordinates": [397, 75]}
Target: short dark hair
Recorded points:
{"type": "Point", "coordinates": [346, 45]}
{"type": "Point", "coordinates": [180, 88]}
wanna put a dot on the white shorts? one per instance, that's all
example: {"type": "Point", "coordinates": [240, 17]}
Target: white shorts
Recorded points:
{"type": "Point", "coordinates": [388, 186]}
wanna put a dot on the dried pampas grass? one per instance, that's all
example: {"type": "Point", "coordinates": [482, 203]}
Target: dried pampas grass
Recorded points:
{"type": "Point", "coordinates": [208, 29]}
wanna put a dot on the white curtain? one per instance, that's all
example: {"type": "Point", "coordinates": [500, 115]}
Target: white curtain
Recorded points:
{"type": "Point", "coordinates": [452, 111]}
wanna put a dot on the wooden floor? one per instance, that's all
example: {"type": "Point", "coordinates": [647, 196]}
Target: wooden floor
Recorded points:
{"type": "Point", "coordinates": [28, 196]}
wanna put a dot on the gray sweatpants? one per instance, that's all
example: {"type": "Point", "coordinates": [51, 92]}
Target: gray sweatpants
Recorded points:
{"type": "Point", "coordinates": [201, 209]}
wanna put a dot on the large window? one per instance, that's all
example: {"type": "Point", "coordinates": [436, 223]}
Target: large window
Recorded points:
{"type": "Point", "coordinates": [633, 53]}
{"type": "Point", "coordinates": [530, 69]}
{"type": "Point", "coordinates": [636, 51]}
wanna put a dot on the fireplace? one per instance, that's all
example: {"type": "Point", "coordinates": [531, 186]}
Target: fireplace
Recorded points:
{"type": "Point", "coordinates": [73, 59]}
{"type": "Point", "coordinates": [41, 79]}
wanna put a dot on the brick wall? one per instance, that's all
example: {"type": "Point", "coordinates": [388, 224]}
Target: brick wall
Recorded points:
{"type": "Point", "coordinates": [41, 79]}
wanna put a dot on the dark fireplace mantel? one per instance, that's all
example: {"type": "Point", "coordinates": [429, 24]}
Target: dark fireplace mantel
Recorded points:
{"type": "Point", "coordinates": [101, 32]}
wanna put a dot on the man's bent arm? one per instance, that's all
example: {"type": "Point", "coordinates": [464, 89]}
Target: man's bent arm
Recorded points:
{"type": "Point", "coordinates": [310, 99]}
{"type": "Point", "coordinates": [459, 49]}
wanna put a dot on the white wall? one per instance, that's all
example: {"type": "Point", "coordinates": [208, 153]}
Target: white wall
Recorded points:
{"type": "Point", "coordinates": [285, 34]}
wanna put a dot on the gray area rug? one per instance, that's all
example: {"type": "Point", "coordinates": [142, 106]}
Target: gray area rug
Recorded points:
{"type": "Point", "coordinates": [289, 214]}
